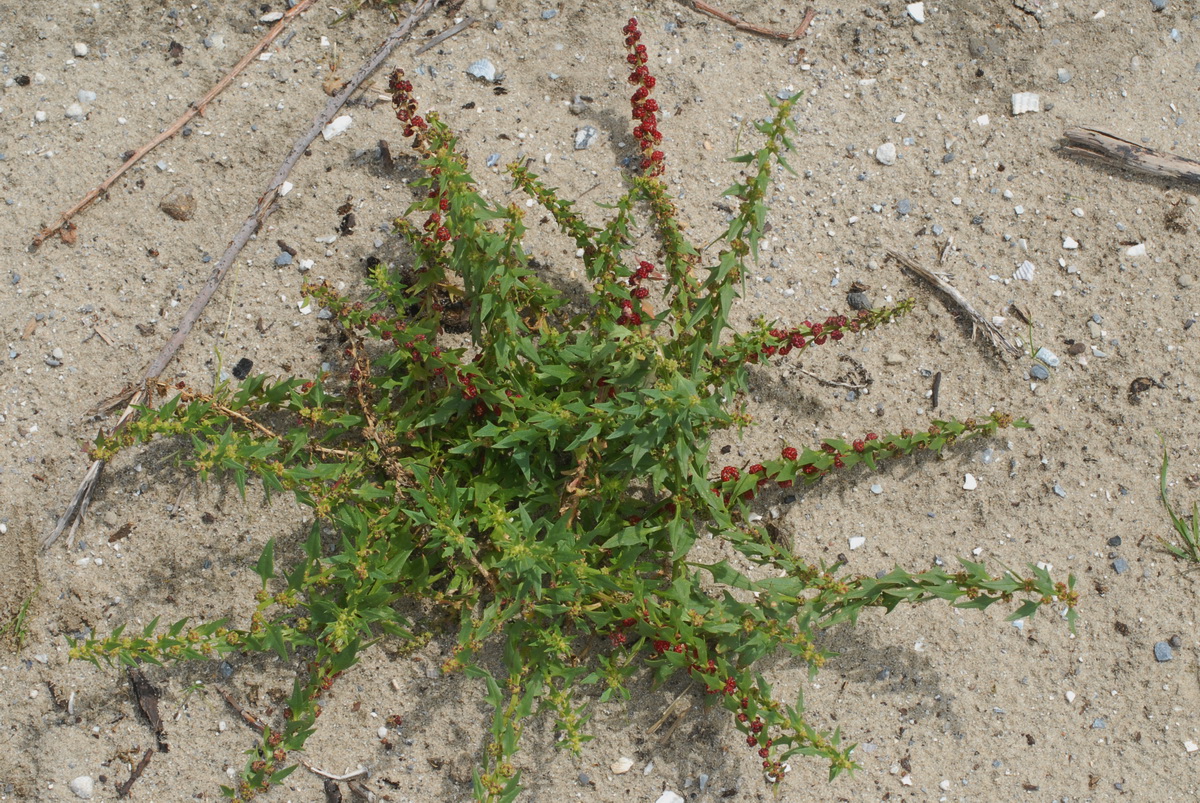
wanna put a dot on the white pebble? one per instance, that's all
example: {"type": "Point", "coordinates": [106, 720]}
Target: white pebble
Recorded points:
{"type": "Point", "coordinates": [1077, 212]}
{"type": "Point", "coordinates": [382, 731]}
{"type": "Point", "coordinates": [337, 127]}
{"type": "Point", "coordinates": [1070, 243]}
{"type": "Point", "coordinates": [970, 483]}
{"type": "Point", "coordinates": [285, 188]}
{"type": "Point", "coordinates": [80, 49]}
{"type": "Point", "coordinates": [222, 726]}
{"type": "Point", "coordinates": [917, 12]}
{"type": "Point", "coordinates": [983, 119]}
{"type": "Point", "coordinates": [1191, 747]}
{"type": "Point", "coordinates": [39, 116]}
{"type": "Point", "coordinates": [1138, 250]}
{"type": "Point", "coordinates": [885, 154]}
{"type": "Point", "coordinates": [1070, 695]}
{"type": "Point", "coordinates": [944, 785]}
{"type": "Point", "coordinates": [83, 787]}
{"type": "Point", "coordinates": [75, 112]}
{"type": "Point", "coordinates": [271, 16]}
{"type": "Point", "coordinates": [857, 541]}
{"type": "Point", "coordinates": [669, 797]}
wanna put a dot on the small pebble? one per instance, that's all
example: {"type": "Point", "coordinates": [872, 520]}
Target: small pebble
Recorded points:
{"type": "Point", "coordinates": [876, 489]}
{"type": "Point", "coordinates": [1185, 280]}
{"type": "Point", "coordinates": [583, 779]}
{"type": "Point", "coordinates": [937, 229]}
{"type": "Point", "coordinates": [894, 358]}
{"type": "Point", "coordinates": [1158, 5]}
{"type": "Point", "coordinates": [970, 483]}
{"type": "Point", "coordinates": [86, 96]}
{"type": "Point", "coordinates": [179, 203]}
{"type": "Point", "coordinates": [1070, 695]}
{"type": "Point", "coordinates": [1114, 541]}
{"type": "Point", "coordinates": [1039, 372]}
{"type": "Point", "coordinates": [904, 207]}
{"type": "Point", "coordinates": [916, 11]}
{"type": "Point", "coordinates": [885, 154]}
{"type": "Point", "coordinates": [1120, 566]}
{"type": "Point", "coordinates": [75, 112]}
{"type": "Point", "coordinates": [669, 797]}
{"type": "Point", "coordinates": [493, 160]}
{"type": "Point", "coordinates": [83, 787]}
{"type": "Point", "coordinates": [283, 259]}
{"type": "Point", "coordinates": [1162, 652]}
{"type": "Point", "coordinates": [1070, 243]}
{"type": "Point", "coordinates": [1099, 723]}
{"type": "Point", "coordinates": [1138, 250]}
{"type": "Point", "coordinates": [584, 137]}
{"type": "Point", "coordinates": [1174, 641]}
{"type": "Point", "coordinates": [1058, 491]}
{"type": "Point", "coordinates": [858, 300]}
{"type": "Point", "coordinates": [337, 127]}
{"type": "Point", "coordinates": [621, 766]}
{"type": "Point", "coordinates": [1047, 356]}
{"type": "Point", "coordinates": [80, 50]}
{"type": "Point", "coordinates": [57, 353]}
{"type": "Point", "coordinates": [1064, 76]}
{"type": "Point", "coordinates": [857, 541]}
{"type": "Point", "coordinates": [550, 13]}
{"type": "Point", "coordinates": [1024, 271]}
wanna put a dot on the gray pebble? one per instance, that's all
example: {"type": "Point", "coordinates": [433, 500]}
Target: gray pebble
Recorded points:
{"type": "Point", "coordinates": [904, 207]}
{"type": "Point", "coordinates": [1120, 566]}
{"type": "Point", "coordinates": [1058, 491]}
{"type": "Point", "coordinates": [53, 363]}
{"type": "Point", "coordinates": [702, 781]}
{"type": "Point", "coordinates": [550, 13]}
{"type": "Point", "coordinates": [110, 519]}
{"type": "Point", "coordinates": [937, 229]}
{"type": "Point", "coordinates": [86, 96]}
{"type": "Point", "coordinates": [1162, 652]}
{"type": "Point", "coordinates": [1175, 641]}
{"type": "Point", "coordinates": [977, 220]}
{"type": "Point", "coordinates": [858, 300]}
{"type": "Point", "coordinates": [1114, 541]}
{"type": "Point", "coordinates": [493, 160]}
{"type": "Point", "coordinates": [16, 278]}
{"type": "Point", "coordinates": [225, 669]}
{"type": "Point", "coordinates": [1185, 280]}
{"type": "Point", "coordinates": [1064, 76]}
{"type": "Point", "coordinates": [324, 314]}
{"type": "Point", "coordinates": [1099, 723]}
{"type": "Point", "coordinates": [1047, 356]}
{"type": "Point", "coordinates": [1158, 5]}
{"type": "Point", "coordinates": [585, 136]}
{"type": "Point", "coordinates": [1039, 372]}
{"type": "Point", "coordinates": [947, 158]}
{"type": "Point", "coordinates": [283, 259]}
{"type": "Point", "coordinates": [584, 780]}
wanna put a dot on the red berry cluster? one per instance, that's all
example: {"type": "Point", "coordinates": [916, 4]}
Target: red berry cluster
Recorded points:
{"type": "Point", "coordinates": [629, 316]}
{"type": "Point", "coordinates": [406, 105]}
{"type": "Point", "coordinates": [834, 328]}
{"type": "Point", "coordinates": [645, 108]}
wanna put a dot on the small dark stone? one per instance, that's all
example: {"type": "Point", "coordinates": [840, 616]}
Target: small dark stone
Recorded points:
{"type": "Point", "coordinates": [242, 369]}
{"type": "Point", "coordinates": [584, 780]}
{"type": "Point", "coordinates": [1114, 541]}
{"type": "Point", "coordinates": [858, 300]}
{"type": "Point", "coordinates": [21, 80]}
{"type": "Point", "coordinates": [1175, 641]}
{"type": "Point", "coordinates": [977, 220]}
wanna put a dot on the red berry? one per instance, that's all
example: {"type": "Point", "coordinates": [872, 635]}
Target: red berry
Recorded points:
{"type": "Point", "coordinates": [872, 436]}
{"type": "Point", "coordinates": [641, 292]}
{"type": "Point", "coordinates": [729, 474]}
{"type": "Point", "coordinates": [764, 752]}
{"type": "Point", "coordinates": [859, 446]}
{"type": "Point", "coordinates": [752, 741]}
{"type": "Point", "coordinates": [757, 468]}
{"type": "Point", "coordinates": [790, 453]}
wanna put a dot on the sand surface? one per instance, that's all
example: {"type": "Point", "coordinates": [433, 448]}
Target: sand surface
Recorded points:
{"type": "Point", "coordinates": [945, 704]}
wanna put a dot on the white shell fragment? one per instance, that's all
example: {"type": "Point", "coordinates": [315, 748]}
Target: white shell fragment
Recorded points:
{"type": "Point", "coordinates": [285, 188]}
{"type": "Point", "coordinates": [970, 483]}
{"type": "Point", "coordinates": [483, 70]}
{"type": "Point", "coordinates": [621, 766]}
{"type": "Point", "coordinates": [339, 126]}
{"type": "Point", "coordinates": [916, 11]}
{"type": "Point", "coordinates": [1070, 243]}
{"type": "Point", "coordinates": [1024, 271]}
{"type": "Point", "coordinates": [857, 541]}
{"type": "Point", "coordinates": [1138, 250]}
{"type": "Point", "coordinates": [1191, 747]}
{"type": "Point", "coordinates": [1026, 102]}
{"type": "Point", "coordinates": [1070, 695]}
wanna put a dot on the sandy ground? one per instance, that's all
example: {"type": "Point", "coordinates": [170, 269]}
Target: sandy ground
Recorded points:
{"type": "Point", "coordinates": [945, 704]}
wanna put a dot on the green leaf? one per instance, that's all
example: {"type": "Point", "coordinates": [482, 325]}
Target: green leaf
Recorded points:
{"type": "Point", "coordinates": [265, 568]}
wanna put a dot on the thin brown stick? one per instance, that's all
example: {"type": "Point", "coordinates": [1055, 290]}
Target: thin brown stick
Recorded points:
{"type": "Point", "coordinates": [741, 25]}
{"type": "Point", "coordinates": [446, 34]}
{"type": "Point", "coordinates": [247, 717]}
{"type": "Point", "coordinates": [139, 393]}
{"type": "Point", "coordinates": [942, 282]}
{"type": "Point", "coordinates": [193, 110]}
{"type": "Point", "coordinates": [123, 788]}
{"type": "Point", "coordinates": [810, 14]}
{"type": "Point", "coordinates": [1102, 145]}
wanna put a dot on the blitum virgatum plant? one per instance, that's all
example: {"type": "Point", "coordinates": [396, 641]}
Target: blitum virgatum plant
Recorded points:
{"type": "Point", "coordinates": [537, 476]}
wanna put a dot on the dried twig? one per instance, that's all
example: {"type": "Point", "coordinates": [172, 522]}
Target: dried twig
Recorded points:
{"type": "Point", "coordinates": [331, 776]}
{"type": "Point", "coordinates": [444, 35]}
{"type": "Point", "coordinates": [246, 716]}
{"type": "Point", "coordinates": [139, 393]}
{"type": "Point", "coordinates": [1102, 145]}
{"type": "Point", "coordinates": [942, 282]}
{"type": "Point", "coordinates": [194, 109]}
{"type": "Point", "coordinates": [124, 787]}
{"type": "Point", "coordinates": [741, 25]}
